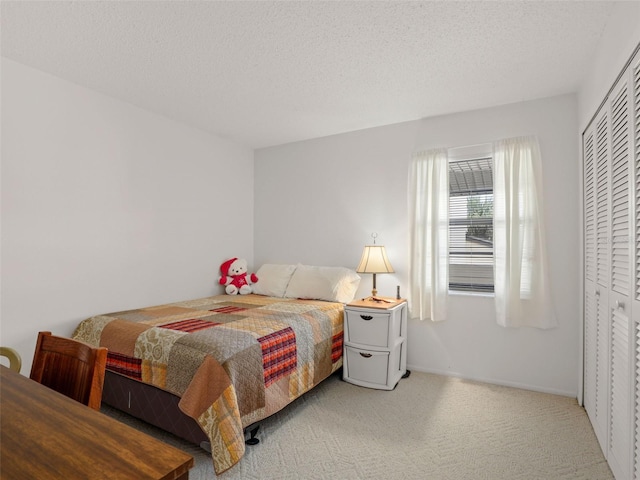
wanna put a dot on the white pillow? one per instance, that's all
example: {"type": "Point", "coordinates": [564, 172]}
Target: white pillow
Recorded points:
{"type": "Point", "coordinates": [333, 284]}
{"type": "Point", "coordinates": [273, 279]}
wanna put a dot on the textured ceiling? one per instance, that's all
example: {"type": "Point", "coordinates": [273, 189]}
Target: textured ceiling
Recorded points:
{"type": "Point", "coordinates": [270, 72]}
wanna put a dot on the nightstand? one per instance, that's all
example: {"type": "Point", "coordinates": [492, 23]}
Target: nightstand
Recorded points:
{"type": "Point", "coordinates": [375, 343]}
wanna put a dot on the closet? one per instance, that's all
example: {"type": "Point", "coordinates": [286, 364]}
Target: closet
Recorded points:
{"type": "Point", "coordinates": [611, 167]}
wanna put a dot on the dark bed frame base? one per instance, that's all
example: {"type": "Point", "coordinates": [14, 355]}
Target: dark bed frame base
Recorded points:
{"type": "Point", "coordinates": [159, 408]}
{"type": "Point", "coordinates": [153, 405]}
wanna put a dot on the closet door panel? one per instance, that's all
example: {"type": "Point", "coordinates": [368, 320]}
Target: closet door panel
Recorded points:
{"type": "Point", "coordinates": [620, 400]}
{"type": "Point", "coordinates": [590, 305]}
{"type": "Point", "coordinates": [602, 277]}
{"type": "Point", "coordinates": [635, 261]}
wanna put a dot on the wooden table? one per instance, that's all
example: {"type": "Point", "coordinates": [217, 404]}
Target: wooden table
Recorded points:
{"type": "Point", "coordinates": [44, 434]}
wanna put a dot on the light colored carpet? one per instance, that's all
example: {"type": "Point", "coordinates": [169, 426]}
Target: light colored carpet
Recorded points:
{"type": "Point", "coordinates": [429, 427]}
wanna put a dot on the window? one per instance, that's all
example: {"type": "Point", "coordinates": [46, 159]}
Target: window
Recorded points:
{"type": "Point", "coordinates": [471, 224]}
{"type": "Point", "coordinates": [476, 225]}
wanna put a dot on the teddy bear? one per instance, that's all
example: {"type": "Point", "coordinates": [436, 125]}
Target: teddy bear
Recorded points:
{"type": "Point", "coordinates": [235, 277]}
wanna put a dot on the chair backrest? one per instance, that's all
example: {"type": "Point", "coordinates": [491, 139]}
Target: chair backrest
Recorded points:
{"type": "Point", "coordinates": [70, 367]}
{"type": "Point", "coordinates": [15, 362]}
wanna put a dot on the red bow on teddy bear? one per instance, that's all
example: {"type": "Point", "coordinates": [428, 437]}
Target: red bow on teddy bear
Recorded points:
{"type": "Point", "coordinates": [235, 277]}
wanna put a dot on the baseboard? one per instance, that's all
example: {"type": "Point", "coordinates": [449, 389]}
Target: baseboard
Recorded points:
{"type": "Point", "coordinates": [493, 381]}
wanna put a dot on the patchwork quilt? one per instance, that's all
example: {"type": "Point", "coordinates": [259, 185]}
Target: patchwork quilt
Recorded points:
{"type": "Point", "coordinates": [232, 360]}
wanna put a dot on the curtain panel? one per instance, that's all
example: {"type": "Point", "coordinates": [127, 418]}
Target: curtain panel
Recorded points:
{"type": "Point", "coordinates": [522, 294]}
{"type": "Point", "coordinates": [429, 235]}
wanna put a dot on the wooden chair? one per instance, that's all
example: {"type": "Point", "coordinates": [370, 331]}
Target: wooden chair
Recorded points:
{"type": "Point", "coordinates": [15, 362]}
{"type": "Point", "coordinates": [72, 368]}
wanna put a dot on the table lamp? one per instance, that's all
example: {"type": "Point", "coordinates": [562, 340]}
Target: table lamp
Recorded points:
{"type": "Point", "coordinates": [374, 260]}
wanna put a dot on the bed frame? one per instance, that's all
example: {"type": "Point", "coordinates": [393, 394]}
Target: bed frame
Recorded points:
{"type": "Point", "coordinates": [153, 405]}
{"type": "Point", "coordinates": [159, 408]}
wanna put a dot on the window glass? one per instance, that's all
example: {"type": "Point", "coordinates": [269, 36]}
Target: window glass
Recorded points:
{"type": "Point", "coordinates": [471, 224]}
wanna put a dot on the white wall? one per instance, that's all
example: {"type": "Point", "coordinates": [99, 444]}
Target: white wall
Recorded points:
{"type": "Point", "coordinates": [318, 201]}
{"type": "Point", "coordinates": [107, 207]}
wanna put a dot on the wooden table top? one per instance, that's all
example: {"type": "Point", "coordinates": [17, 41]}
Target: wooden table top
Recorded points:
{"type": "Point", "coordinates": [44, 434]}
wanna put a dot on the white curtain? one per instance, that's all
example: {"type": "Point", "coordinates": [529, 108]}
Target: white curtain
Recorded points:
{"type": "Point", "coordinates": [521, 285]}
{"type": "Point", "coordinates": [429, 235]}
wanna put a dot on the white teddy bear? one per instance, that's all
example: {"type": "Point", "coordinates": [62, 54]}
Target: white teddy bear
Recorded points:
{"type": "Point", "coordinates": [235, 277]}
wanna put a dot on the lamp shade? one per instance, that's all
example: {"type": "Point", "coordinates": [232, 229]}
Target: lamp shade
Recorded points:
{"type": "Point", "coordinates": [374, 260]}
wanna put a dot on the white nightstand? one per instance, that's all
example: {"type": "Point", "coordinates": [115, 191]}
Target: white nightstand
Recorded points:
{"type": "Point", "coordinates": [375, 343]}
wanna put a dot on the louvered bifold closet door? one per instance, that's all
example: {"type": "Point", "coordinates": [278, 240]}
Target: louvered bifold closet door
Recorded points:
{"type": "Point", "coordinates": [600, 416]}
{"type": "Point", "coordinates": [635, 242]}
{"type": "Point", "coordinates": [590, 305]}
{"type": "Point", "coordinates": [611, 156]}
{"type": "Point", "coordinates": [619, 295]}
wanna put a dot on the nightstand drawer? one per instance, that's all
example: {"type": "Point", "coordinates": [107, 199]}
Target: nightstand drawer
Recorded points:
{"type": "Point", "coordinates": [368, 328]}
{"type": "Point", "coordinates": [367, 366]}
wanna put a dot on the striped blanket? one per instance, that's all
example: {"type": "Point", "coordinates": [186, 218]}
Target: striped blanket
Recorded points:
{"type": "Point", "coordinates": [232, 360]}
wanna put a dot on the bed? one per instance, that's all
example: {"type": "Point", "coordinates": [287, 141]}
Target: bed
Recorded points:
{"type": "Point", "coordinates": [206, 369]}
